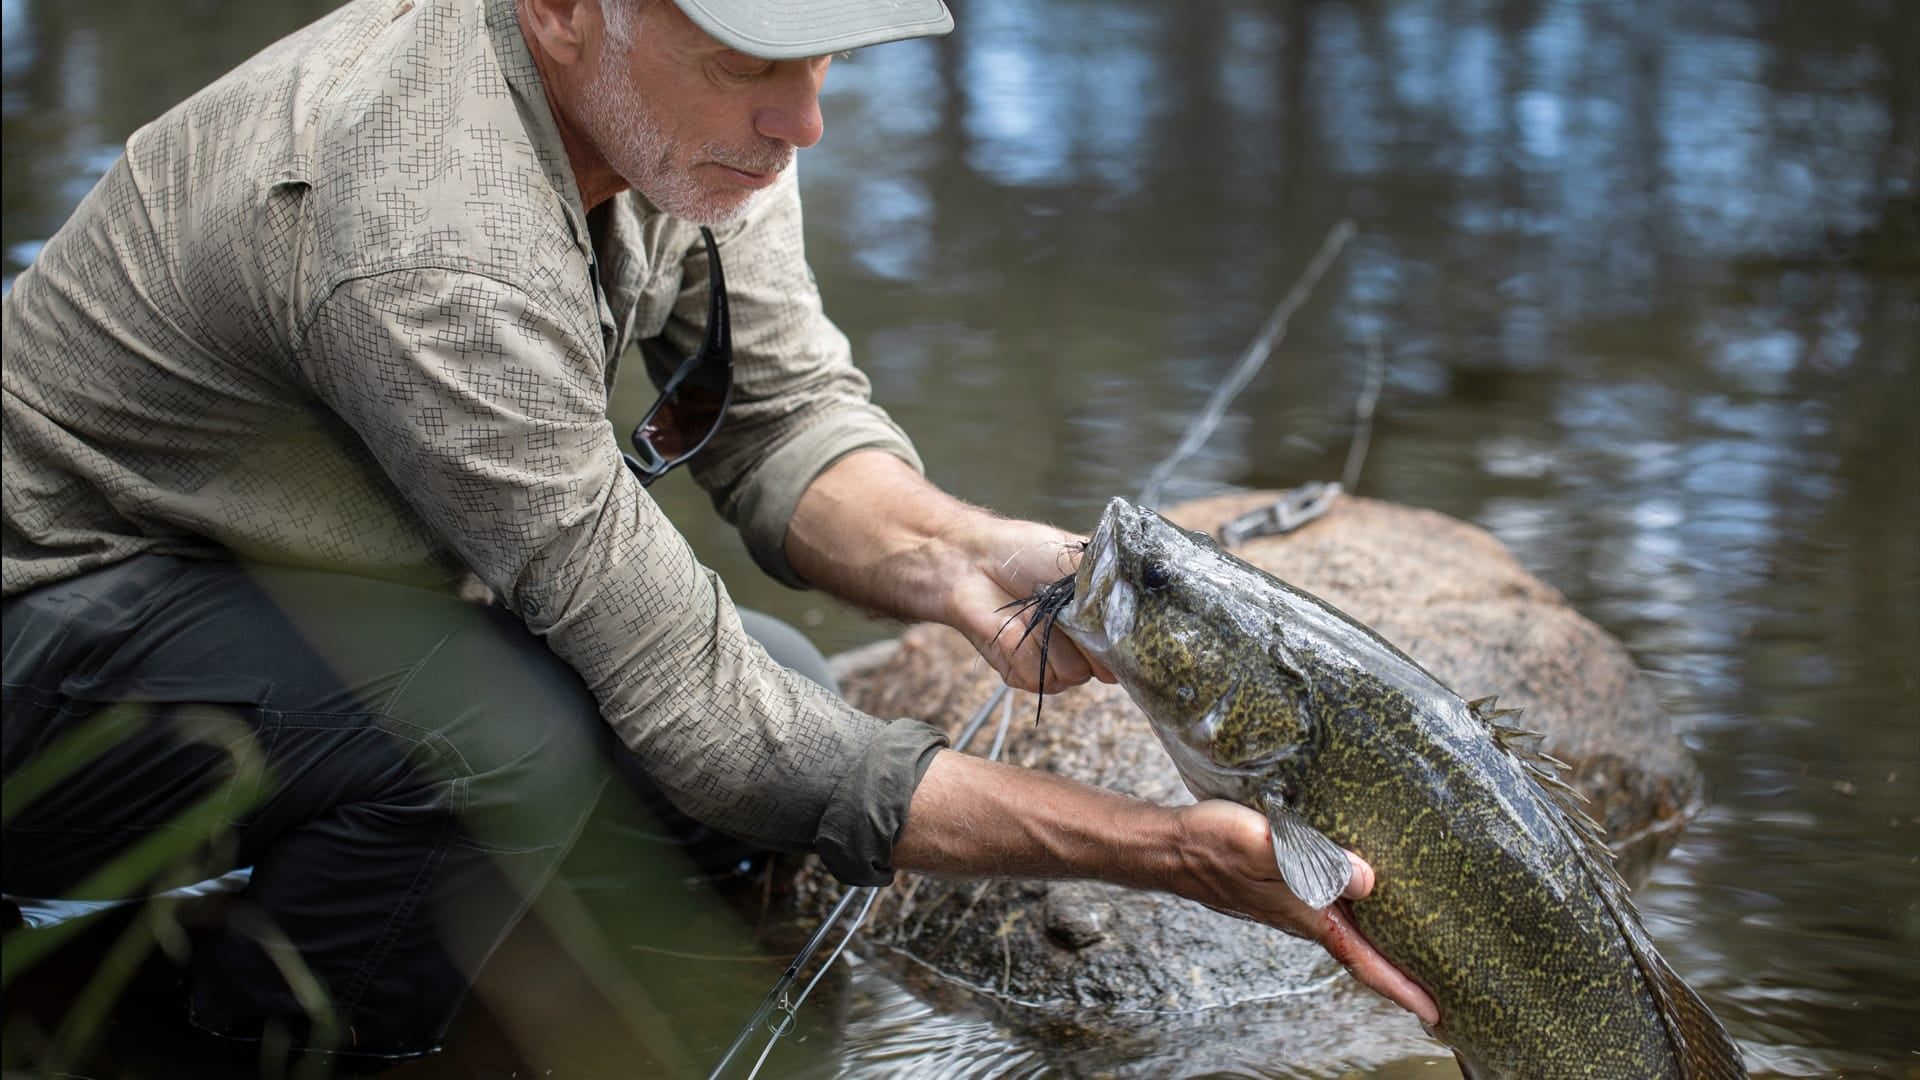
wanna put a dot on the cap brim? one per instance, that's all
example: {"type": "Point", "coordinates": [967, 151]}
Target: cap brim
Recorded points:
{"type": "Point", "coordinates": [791, 29]}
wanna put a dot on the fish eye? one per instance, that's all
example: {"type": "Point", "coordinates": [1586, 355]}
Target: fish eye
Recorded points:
{"type": "Point", "coordinates": [1155, 575]}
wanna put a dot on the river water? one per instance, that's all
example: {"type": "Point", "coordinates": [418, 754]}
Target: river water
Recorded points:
{"type": "Point", "coordinates": [1646, 277]}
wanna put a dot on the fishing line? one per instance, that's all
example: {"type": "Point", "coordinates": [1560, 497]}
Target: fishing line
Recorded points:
{"type": "Point", "coordinates": [979, 717]}
{"type": "Point", "coordinates": [1249, 364]}
{"type": "Point", "coordinates": [1271, 334]}
{"type": "Point", "coordinates": [1363, 409]}
{"type": "Point", "coordinates": [1000, 736]}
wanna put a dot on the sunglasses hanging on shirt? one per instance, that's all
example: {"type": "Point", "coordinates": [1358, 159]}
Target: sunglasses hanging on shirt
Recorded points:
{"type": "Point", "coordinates": [695, 397]}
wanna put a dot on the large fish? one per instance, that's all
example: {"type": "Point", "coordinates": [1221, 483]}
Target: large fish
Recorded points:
{"type": "Point", "coordinates": [1494, 889]}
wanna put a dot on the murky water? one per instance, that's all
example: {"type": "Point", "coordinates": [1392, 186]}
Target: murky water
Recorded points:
{"type": "Point", "coordinates": [1647, 277]}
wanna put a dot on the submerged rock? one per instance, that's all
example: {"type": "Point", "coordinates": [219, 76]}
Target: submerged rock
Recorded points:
{"type": "Point", "coordinates": [1078, 957]}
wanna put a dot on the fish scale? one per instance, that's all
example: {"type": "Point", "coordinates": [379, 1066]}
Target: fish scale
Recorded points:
{"type": "Point", "coordinates": [1493, 890]}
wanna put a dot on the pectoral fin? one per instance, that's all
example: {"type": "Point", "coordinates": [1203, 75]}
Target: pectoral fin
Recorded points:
{"type": "Point", "coordinates": [1314, 867]}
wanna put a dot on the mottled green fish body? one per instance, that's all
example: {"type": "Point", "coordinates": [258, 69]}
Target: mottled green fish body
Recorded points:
{"type": "Point", "coordinates": [1493, 889]}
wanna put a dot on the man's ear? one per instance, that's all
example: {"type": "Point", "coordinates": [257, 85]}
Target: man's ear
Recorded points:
{"type": "Point", "coordinates": [560, 27]}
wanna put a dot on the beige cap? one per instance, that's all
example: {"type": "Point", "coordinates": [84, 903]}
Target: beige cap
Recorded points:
{"type": "Point", "coordinates": [790, 29]}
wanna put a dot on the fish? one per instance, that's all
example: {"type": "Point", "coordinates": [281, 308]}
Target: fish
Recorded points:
{"type": "Point", "coordinates": [1494, 890]}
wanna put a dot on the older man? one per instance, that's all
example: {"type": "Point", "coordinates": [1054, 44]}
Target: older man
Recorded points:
{"type": "Point", "coordinates": [337, 334]}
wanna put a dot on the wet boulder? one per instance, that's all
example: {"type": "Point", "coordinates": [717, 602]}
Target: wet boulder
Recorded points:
{"type": "Point", "coordinates": [1445, 592]}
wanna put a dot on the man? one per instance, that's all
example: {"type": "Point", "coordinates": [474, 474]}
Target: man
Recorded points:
{"type": "Point", "coordinates": [337, 334]}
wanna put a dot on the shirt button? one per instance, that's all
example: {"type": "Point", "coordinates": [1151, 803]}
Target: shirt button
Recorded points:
{"type": "Point", "coordinates": [531, 609]}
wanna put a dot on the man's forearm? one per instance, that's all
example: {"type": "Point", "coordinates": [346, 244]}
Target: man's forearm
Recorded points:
{"type": "Point", "coordinates": [976, 818]}
{"type": "Point", "coordinates": [874, 532]}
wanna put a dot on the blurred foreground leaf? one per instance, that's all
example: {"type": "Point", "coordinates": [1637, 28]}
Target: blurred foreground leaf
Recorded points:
{"type": "Point", "coordinates": [160, 851]}
{"type": "Point", "coordinates": [68, 755]}
{"type": "Point", "coordinates": [178, 852]}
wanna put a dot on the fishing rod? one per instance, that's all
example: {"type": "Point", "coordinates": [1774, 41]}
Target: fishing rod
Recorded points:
{"type": "Point", "coordinates": [777, 997]}
{"type": "Point", "coordinates": [863, 895]}
{"type": "Point", "coordinates": [1199, 430]}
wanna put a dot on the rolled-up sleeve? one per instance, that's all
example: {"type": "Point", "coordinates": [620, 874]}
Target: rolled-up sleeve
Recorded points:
{"type": "Point", "coordinates": [486, 412]}
{"type": "Point", "coordinates": [799, 404]}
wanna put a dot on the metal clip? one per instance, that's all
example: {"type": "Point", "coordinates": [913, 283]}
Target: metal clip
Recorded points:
{"type": "Point", "coordinates": [1295, 507]}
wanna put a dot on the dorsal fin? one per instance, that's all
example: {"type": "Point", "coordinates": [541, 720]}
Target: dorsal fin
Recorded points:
{"type": "Point", "coordinates": [1489, 711]}
{"type": "Point", "coordinates": [1525, 745]}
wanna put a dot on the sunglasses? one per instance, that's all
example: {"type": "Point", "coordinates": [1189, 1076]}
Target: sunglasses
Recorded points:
{"type": "Point", "coordinates": [695, 397]}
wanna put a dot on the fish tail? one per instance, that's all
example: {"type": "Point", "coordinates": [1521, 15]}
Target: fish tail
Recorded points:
{"type": "Point", "coordinates": [1701, 1046]}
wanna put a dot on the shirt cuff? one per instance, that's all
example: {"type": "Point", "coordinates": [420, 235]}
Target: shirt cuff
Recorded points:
{"type": "Point", "coordinates": [868, 810]}
{"type": "Point", "coordinates": [773, 494]}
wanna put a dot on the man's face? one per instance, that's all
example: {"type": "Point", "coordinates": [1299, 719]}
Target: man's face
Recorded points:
{"type": "Point", "coordinates": [696, 127]}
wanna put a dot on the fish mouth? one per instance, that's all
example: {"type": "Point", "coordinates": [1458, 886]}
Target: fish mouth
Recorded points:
{"type": "Point", "coordinates": [1087, 617]}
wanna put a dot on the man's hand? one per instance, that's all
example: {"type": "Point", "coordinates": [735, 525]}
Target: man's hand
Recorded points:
{"type": "Point", "coordinates": [1009, 560]}
{"type": "Point", "coordinates": [1229, 866]}
{"type": "Point", "coordinates": [872, 531]}
{"type": "Point", "coordinates": [976, 818]}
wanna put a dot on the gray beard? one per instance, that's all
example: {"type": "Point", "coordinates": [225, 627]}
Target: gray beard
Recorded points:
{"type": "Point", "coordinates": [636, 145]}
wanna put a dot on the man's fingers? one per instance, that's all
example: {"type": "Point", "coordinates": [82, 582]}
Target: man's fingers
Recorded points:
{"type": "Point", "coordinates": [1025, 556]}
{"type": "Point", "coordinates": [1011, 666]}
{"type": "Point", "coordinates": [1360, 882]}
{"type": "Point", "coordinates": [1066, 664]}
{"type": "Point", "coordinates": [1344, 941]}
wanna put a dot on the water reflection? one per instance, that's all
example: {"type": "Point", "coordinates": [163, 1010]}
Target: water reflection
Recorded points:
{"type": "Point", "coordinates": [1648, 276]}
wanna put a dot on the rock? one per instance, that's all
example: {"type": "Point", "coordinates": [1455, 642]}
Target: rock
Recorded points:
{"type": "Point", "coordinates": [1076, 913]}
{"type": "Point", "coordinates": [1445, 592]}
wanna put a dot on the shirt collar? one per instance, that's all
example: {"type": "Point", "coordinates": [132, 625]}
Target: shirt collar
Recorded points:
{"type": "Point", "coordinates": [530, 97]}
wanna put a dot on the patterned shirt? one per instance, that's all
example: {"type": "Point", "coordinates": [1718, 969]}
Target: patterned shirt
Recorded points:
{"type": "Point", "coordinates": [344, 308]}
